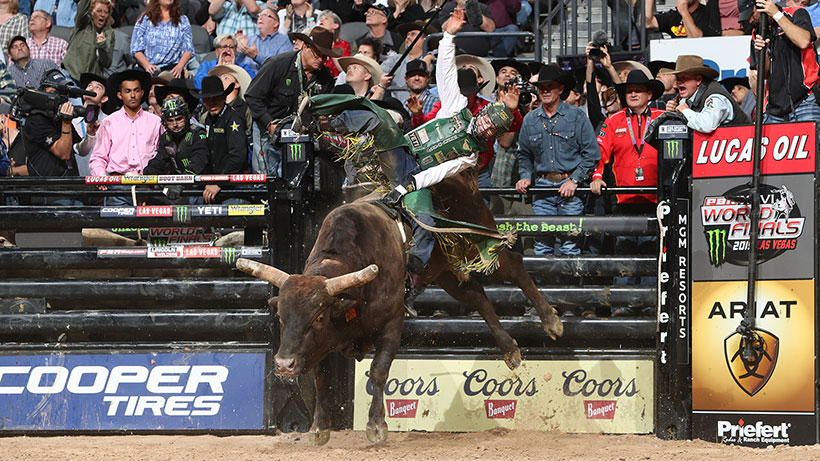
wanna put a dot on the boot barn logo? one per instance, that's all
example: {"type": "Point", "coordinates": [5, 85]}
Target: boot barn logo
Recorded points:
{"type": "Point", "coordinates": [726, 223]}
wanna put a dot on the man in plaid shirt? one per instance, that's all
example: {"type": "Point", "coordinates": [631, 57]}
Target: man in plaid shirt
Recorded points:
{"type": "Point", "coordinates": [41, 44]}
{"type": "Point", "coordinates": [417, 79]}
{"type": "Point", "coordinates": [234, 15]}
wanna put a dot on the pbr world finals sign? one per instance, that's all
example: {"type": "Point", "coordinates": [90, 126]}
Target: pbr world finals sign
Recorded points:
{"type": "Point", "coordinates": [770, 399]}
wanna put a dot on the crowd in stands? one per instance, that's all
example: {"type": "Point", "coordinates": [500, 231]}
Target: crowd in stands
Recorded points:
{"type": "Point", "coordinates": [189, 86]}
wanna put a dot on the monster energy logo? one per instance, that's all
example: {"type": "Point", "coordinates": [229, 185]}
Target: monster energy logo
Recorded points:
{"type": "Point", "coordinates": [672, 149]}
{"type": "Point", "coordinates": [171, 104]}
{"type": "Point", "coordinates": [295, 151]}
{"type": "Point", "coordinates": [182, 214]}
{"type": "Point", "coordinates": [717, 246]}
{"type": "Point", "coordinates": [185, 162]}
{"type": "Point", "coordinates": [228, 255]}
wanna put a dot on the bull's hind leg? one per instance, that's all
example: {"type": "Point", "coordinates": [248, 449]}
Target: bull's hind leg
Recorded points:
{"type": "Point", "coordinates": [471, 293]}
{"type": "Point", "coordinates": [511, 269]}
{"type": "Point", "coordinates": [319, 433]}
{"type": "Point", "coordinates": [387, 345]}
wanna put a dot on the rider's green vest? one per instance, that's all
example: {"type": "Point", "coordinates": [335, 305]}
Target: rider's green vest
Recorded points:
{"type": "Point", "coordinates": [444, 139]}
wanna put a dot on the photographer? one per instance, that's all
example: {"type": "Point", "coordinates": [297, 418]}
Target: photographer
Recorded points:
{"type": "Point", "coordinates": [48, 138]}
{"type": "Point", "coordinates": [597, 53]}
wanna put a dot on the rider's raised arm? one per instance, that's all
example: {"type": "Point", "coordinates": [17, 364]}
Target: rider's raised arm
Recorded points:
{"type": "Point", "coordinates": [452, 101]}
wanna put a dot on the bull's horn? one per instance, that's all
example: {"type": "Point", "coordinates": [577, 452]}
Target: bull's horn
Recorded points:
{"type": "Point", "coordinates": [341, 283]}
{"type": "Point", "coordinates": [262, 271]}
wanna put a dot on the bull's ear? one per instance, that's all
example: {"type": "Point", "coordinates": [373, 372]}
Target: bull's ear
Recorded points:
{"type": "Point", "coordinates": [273, 303]}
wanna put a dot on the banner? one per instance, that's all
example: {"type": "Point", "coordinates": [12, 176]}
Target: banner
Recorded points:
{"type": "Point", "coordinates": [767, 398]}
{"type": "Point", "coordinates": [727, 55]}
{"type": "Point", "coordinates": [589, 396]}
{"type": "Point", "coordinates": [122, 391]}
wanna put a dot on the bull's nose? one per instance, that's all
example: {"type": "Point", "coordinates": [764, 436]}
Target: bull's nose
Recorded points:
{"type": "Point", "coordinates": [284, 365]}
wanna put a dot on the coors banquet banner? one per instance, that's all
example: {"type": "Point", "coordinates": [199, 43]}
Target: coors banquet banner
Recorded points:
{"type": "Point", "coordinates": [770, 399]}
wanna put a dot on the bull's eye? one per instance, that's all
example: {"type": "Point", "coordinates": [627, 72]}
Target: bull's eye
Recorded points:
{"type": "Point", "coordinates": [318, 321]}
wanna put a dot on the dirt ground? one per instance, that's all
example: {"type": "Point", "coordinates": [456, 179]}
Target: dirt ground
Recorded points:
{"type": "Point", "coordinates": [497, 444]}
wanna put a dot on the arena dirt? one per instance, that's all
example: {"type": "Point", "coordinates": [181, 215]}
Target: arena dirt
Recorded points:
{"type": "Point", "coordinates": [494, 445]}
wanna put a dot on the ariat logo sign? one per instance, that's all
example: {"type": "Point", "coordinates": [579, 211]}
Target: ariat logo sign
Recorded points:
{"type": "Point", "coordinates": [500, 409]}
{"type": "Point", "coordinates": [401, 408]}
{"type": "Point", "coordinates": [726, 224]}
{"type": "Point", "coordinates": [751, 374]}
{"type": "Point", "coordinates": [749, 433]}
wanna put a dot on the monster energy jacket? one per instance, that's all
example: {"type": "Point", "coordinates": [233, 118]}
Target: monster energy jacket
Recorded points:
{"type": "Point", "coordinates": [188, 156]}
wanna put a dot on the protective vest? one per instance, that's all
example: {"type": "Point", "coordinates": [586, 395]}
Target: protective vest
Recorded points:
{"type": "Point", "coordinates": [714, 87]}
{"type": "Point", "coordinates": [444, 139]}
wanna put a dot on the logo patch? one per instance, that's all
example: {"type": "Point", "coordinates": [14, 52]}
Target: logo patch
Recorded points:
{"type": "Point", "coordinates": [752, 375]}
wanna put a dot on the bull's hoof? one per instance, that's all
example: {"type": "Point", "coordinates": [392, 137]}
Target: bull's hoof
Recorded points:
{"type": "Point", "coordinates": [376, 433]}
{"type": "Point", "coordinates": [318, 438]}
{"type": "Point", "coordinates": [552, 325]}
{"type": "Point", "coordinates": [513, 359]}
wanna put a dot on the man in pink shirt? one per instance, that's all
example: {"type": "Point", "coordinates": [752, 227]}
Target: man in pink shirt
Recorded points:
{"type": "Point", "coordinates": [127, 139]}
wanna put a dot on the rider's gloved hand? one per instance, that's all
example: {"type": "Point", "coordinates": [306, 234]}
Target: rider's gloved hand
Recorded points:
{"type": "Point", "coordinates": [393, 198]}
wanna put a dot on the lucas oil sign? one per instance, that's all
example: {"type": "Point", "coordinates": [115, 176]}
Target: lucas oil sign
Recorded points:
{"type": "Point", "coordinates": [599, 396]}
{"type": "Point", "coordinates": [150, 391]}
{"type": "Point", "coordinates": [765, 397]}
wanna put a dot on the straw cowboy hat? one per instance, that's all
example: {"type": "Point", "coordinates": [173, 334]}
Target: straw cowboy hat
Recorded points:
{"type": "Point", "coordinates": [240, 74]}
{"type": "Point", "coordinates": [630, 65]}
{"type": "Point", "coordinates": [320, 39]}
{"type": "Point", "coordinates": [690, 64]}
{"type": "Point", "coordinates": [484, 68]}
{"type": "Point", "coordinates": [369, 64]}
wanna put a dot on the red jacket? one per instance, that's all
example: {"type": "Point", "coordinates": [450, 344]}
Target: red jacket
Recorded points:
{"type": "Point", "coordinates": [484, 158]}
{"type": "Point", "coordinates": [616, 146]}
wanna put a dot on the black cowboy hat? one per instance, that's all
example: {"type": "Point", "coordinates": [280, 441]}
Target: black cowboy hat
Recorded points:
{"type": "Point", "coordinates": [115, 80]}
{"type": "Point", "coordinates": [416, 25]}
{"type": "Point", "coordinates": [656, 66]}
{"type": "Point", "coordinates": [320, 39]}
{"type": "Point", "coordinates": [515, 64]}
{"type": "Point", "coordinates": [730, 83]}
{"type": "Point", "coordinates": [638, 77]}
{"type": "Point", "coordinates": [88, 77]}
{"type": "Point", "coordinates": [553, 73]}
{"type": "Point", "coordinates": [183, 86]}
{"type": "Point", "coordinates": [468, 82]}
{"type": "Point", "coordinates": [212, 88]}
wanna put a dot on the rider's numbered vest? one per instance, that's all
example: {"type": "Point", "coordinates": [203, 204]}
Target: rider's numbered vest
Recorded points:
{"type": "Point", "coordinates": [444, 139]}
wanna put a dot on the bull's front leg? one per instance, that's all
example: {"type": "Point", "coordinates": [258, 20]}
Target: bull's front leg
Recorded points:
{"type": "Point", "coordinates": [386, 348]}
{"type": "Point", "coordinates": [319, 433]}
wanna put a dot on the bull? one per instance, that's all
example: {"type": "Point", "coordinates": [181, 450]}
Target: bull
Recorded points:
{"type": "Point", "coordinates": [350, 297]}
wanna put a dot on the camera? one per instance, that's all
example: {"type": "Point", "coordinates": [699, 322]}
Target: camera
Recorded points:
{"type": "Point", "coordinates": [599, 39]}
{"type": "Point", "coordinates": [30, 101]}
{"type": "Point", "coordinates": [527, 91]}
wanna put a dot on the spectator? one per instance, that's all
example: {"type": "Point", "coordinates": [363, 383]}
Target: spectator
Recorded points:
{"type": "Point", "coordinates": [255, 49]}
{"type": "Point", "coordinates": [12, 22]}
{"type": "Point", "coordinates": [507, 70]}
{"type": "Point", "coordinates": [417, 80]}
{"type": "Point", "coordinates": [235, 15]}
{"type": "Point", "coordinates": [155, 106]}
{"type": "Point", "coordinates": [232, 74]}
{"type": "Point", "coordinates": [480, 19]}
{"type": "Point", "coordinates": [741, 92]}
{"type": "Point", "coordinates": [410, 31]}
{"type": "Point", "coordinates": [162, 38]}
{"type": "Point", "coordinates": [330, 21]}
{"type": "Point", "coordinates": [376, 17]}
{"type": "Point", "coordinates": [791, 64]}
{"type": "Point", "coordinates": [226, 136]}
{"type": "Point", "coordinates": [690, 18]}
{"type": "Point", "coordinates": [62, 12]}
{"type": "Point", "coordinates": [297, 16]}
{"type": "Point", "coordinates": [729, 18]}
{"type": "Point", "coordinates": [91, 45]}
{"type": "Point", "coordinates": [48, 138]}
{"type": "Point", "coordinates": [503, 14]}
{"type": "Point", "coordinates": [405, 12]}
{"type": "Point", "coordinates": [127, 138]}
{"type": "Point", "coordinates": [623, 68]}
{"type": "Point", "coordinates": [362, 73]}
{"type": "Point", "coordinates": [225, 54]}
{"type": "Point", "coordinates": [705, 104]}
{"type": "Point", "coordinates": [27, 72]}
{"type": "Point", "coordinates": [88, 131]}
{"type": "Point", "coordinates": [8, 89]}
{"type": "Point", "coordinates": [662, 71]}
{"type": "Point", "coordinates": [371, 48]}
{"type": "Point", "coordinates": [556, 147]}
{"type": "Point", "coordinates": [274, 93]}
{"type": "Point", "coordinates": [41, 44]}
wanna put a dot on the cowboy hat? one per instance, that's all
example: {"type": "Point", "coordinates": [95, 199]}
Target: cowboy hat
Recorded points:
{"type": "Point", "coordinates": [240, 74]}
{"type": "Point", "coordinates": [212, 88]}
{"type": "Point", "coordinates": [637, 77]}
{"type": "Point", "coordinates": [88, 77]}
{"type": "Point", "coordinates": [732, 82]}
{"type": "Point", "coordinates": [181, 86]}
{"type": "Point", "coordinates": [484, 68]}
{"type": "Point", "coordinates": [416, 25]}
{"type": "Point", "coordinates": [691, 64]}
{"type": "Point", "coordinates": [630, 65]}
{"type": "Point", "coordinates": [520, 67]}
{"type": "Point", "coordinates": [468, 82]}
{"type": "Point", "coordinates": [657, 66]}
{"type": "Point", "coordinates": [553, 73]}
{"type": "Point", "coordinates": [320, 39]}
{"type": "Point", "coordinates": [368, 63]}
{"type": "Point", "coordinates": [116, 80]}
